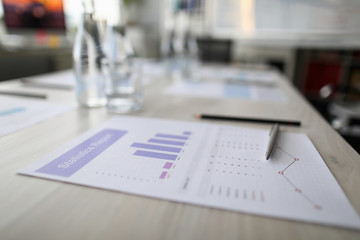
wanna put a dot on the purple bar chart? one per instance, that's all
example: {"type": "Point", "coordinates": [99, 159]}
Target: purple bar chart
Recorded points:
{"type": "Point", "coordinates": [167, 142]}
{"type": "Point", "coordinates": [168, 165]}
{"type": "Point", "coordinates": [156, 147]}
{"type": "Point", "coordinates": [157, 155]}
{"type": "Point", "coordinates": [162, 146]}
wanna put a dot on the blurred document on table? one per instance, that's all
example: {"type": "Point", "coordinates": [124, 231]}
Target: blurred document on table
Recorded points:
{"type": "Point", "coordinates": [61, 80]}
{"type": "Point", "coordinates": [16, 114]}
{"type": "Point", "coordinates": [239, 74]}
{"type": "Point", "coordinates": [230, 82]}
{"type": "Point", "coordinates": [151, 70]}
{"type": "Point", "coordinates": [204, 164]}
{"type": "Point", "coordinates": [209, 89]}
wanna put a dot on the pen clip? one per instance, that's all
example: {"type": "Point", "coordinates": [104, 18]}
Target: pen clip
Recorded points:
{"type": "Point", "coordinates": [272, 138]}
{"type": "Point", "coordinates": [273, 129]}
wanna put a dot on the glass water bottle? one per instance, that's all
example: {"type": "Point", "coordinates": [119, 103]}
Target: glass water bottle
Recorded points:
{"type": "Point", "coordinates": [87, 57]}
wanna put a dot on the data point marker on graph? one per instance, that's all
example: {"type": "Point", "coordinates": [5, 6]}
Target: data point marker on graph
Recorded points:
{"type": "Point", "coordinates": [282, 173]}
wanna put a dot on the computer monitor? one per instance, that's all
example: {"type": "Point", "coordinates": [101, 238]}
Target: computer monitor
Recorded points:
{"type": "Point", "coordinates": [26, 16]}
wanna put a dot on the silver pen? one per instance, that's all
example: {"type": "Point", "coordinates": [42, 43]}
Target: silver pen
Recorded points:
{"type": "Point", "coordinates": [272, 138]}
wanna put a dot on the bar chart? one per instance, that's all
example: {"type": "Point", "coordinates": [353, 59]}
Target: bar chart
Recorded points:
{"type": "Point", "coordinates": [164, 147]}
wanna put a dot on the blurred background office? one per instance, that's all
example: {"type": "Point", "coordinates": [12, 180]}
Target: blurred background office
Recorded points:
{"type": "Point", "coordinates": [314, 43]}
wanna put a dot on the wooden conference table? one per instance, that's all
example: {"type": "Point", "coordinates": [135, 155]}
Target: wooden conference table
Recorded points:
{"type": "Point", "coordinates": [34, 208]}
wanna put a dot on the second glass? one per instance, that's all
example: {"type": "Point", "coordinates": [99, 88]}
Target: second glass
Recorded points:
{"type": "Point", "coordinates": [123, 86]}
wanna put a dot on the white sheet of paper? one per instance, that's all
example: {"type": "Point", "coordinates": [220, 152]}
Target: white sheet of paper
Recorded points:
{"type": "Point", "coordinates": [151, 71]}
{"type": "Point", "coordinates": [209, 165]}
{"type": "Point", "coordinates": [16, 114]}
{"type": "Point", "coordinates": [62, 78]}
{"type": "Point", "coordinates": [153, 68]}
{"type": "Point", "coordinates": [225, 90]}
{"type": "Point", "coordinates": [264, 76]}
{"type": "Point", "coordinates": [66, 79]}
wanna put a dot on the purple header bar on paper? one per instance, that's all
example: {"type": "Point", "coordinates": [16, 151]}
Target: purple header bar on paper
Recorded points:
{"type": "Point", "coordinates": [76, 158]}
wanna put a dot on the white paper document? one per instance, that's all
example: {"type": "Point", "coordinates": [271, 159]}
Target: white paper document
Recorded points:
{"type": "Point", "coordinates": [66, 79]}
{"type": "Point", "coordinates": [226, 90]}
{"type": "Point", "coordinates": [58, 80]}
{"type": "Point", "coordinates": [204, 164]}
{"type": "Point", "coordinates": [16, 114]}
{"type": "Point", "coordinates": [238, 74]}
{"type": "Point", "coordinates": [151, 71]}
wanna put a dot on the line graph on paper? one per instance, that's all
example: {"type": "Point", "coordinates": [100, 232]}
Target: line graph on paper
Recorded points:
{"type": "Point", "coordinates": [237, 171]}
{"type": "Point", "coordinates": [293, 161]}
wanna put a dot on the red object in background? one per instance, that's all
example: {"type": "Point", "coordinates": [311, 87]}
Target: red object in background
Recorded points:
{"type": "Point", "coordinates": [319, 74]}
{"type": "Point", "coordinates": [40, 37]}
{"type": "Point", "coordinates": [34, 14]}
